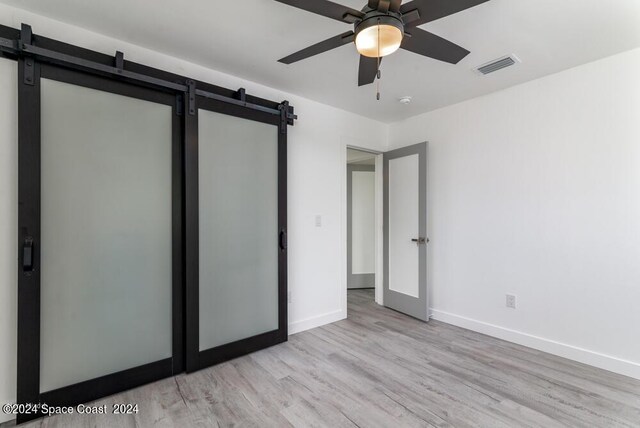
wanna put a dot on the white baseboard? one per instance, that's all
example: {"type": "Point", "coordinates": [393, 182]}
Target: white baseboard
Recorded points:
{"type": "Point", "coordinates": [317, 321]}
{"type": "Point", "coordinates": [592, 358]}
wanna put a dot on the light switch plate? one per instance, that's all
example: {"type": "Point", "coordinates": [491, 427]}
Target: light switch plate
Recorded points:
{"type": "Point", "coordinates": [511, 301]}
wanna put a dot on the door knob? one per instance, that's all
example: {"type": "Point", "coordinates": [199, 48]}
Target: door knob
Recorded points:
{"type": "Point", "coordinates": [419, 241]}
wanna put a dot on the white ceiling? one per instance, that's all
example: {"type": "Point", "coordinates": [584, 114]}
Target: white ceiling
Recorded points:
{"type": "Point", "coordinates": [246, 38]}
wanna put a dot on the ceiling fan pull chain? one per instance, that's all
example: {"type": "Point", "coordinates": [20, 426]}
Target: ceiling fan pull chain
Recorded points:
{"type": "Point", "coordinates": [378, 74]}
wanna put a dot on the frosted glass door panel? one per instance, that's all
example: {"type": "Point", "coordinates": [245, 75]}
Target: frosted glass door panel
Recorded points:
{"type": "Point", "coordinates": [8, 231]}
{"type": "Point", "coordinates": [238, 223]}
{"type": "Point", "coordinates": [106, 234]}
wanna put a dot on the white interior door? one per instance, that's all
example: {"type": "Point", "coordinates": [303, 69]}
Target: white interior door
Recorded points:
{"type": "Point", "coordinates": [405, 227]}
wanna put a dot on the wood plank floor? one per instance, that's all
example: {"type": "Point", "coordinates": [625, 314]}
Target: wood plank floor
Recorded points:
{"type": "Point", "coordinates": [380, 368]}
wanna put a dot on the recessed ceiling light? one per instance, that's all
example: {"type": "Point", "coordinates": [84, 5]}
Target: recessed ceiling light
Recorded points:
{"type": "Point", "coordinates": [405, 100]}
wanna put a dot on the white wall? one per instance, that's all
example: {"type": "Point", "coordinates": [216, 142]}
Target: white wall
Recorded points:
{"type": "Point", "coordinates": [535, 191]}
{"type": "Point", "coordinates": [317, 156]}
{"type": "Point", "coordinates": [363, 227]}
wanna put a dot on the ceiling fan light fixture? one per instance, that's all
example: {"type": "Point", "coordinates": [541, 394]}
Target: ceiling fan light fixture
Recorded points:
{"type": "Point", "coordinates": [386, 29]}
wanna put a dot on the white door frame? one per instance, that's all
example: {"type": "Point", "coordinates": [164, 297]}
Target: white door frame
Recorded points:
{"type": "Point", "coordinates": [379, 247]}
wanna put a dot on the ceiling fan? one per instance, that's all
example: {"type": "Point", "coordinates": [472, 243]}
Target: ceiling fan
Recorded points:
{"type": "Point", "coordinates": [382, 27]}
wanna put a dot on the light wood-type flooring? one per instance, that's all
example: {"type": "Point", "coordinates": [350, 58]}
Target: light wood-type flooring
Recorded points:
{"type": "Point", "coordinates": [380, 368]}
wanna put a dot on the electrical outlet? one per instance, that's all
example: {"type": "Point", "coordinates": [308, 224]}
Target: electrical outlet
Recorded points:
{"type": "Point", "coordinates": [289, 296]}
{"type": "Point", "coordinates": [511, 301]}
{"type": "Point", "coordinates": [318, 220]}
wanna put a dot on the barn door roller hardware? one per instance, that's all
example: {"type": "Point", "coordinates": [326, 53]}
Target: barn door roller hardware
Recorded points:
{"type": "Point", "coordinates": [284, 112]}
{"type": "Point", "coordinates": [25, 48]}
{"type": "Point", "coordinates": [25, 39]}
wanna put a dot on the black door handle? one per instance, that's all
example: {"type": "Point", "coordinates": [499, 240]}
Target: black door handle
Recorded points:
{"type": "Point", "coordinates": [27, 254]}
{"type": "Point", "coordinates": [283, 240]}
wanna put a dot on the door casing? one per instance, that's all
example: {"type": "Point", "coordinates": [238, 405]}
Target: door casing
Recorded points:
{"type": "Point", "coordinates": [360, 280]}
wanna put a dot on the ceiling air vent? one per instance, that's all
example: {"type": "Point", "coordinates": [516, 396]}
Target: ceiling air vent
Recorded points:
{"type": "Point", "coordinates": [498, 64]}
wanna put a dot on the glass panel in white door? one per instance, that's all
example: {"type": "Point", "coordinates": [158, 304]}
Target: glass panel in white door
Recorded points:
{"type": "Point", "coordinates": [403, 225]}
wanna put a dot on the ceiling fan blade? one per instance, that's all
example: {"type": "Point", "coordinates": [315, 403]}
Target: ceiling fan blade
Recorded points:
{"type": "Point", "coordinates": [373, 4]}
{"type": "Point", "coordinates": [368, 70]}
{"type": "Point", "coordinates": [395, 5]}
{"type": "Point", "coordinates": [427, 44]}
{"type": "Point", "coordinates": [430, 10]}
{"type": "Point", "coordinates": [318, 48]}
{"type": "Point", "coordinates": [326, 8]}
